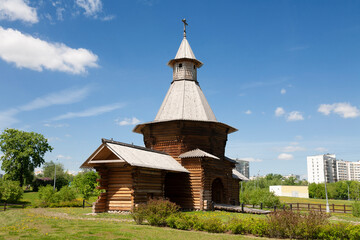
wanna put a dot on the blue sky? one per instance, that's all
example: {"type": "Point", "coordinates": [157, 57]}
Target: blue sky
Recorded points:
{"type": "Point", "coordinates": [285, 73]}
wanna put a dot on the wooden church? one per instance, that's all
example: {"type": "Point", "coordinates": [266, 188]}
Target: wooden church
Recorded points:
{"type": "Point", "coordinates": [184, 155]}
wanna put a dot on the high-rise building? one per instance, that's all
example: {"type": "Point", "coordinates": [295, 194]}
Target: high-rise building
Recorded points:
{"type": "Point", "coordinates": [321, 167]}
{"type": "Point", "coordinates": [243, 167]}
{"type": "Point", "coordinates": [348, 170]}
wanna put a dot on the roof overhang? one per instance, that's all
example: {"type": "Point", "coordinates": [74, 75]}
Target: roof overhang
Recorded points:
{"type": "Point", "coordinates": [138, 128]}
{"type": "Point", "coordinates": [197, 63]}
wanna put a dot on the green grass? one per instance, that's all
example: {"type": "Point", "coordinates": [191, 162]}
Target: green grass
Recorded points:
{"type": "Point", "coordinates": [44, 224]}
{"type": "Point", "coordinates": [314, 201]}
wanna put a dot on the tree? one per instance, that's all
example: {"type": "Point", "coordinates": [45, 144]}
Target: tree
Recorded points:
{"type": "Point", "coordinates": [23, 152]}
{"type": "Point", "coordinates": [49, 169]}
{"type": "Point", "coordinates": [86, 183]}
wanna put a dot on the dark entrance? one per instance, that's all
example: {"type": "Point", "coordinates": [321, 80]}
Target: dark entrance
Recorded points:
{"type": "Point", "coordinates": [177, 189]}
{"type": "Point", "coordinates": [217, 191]}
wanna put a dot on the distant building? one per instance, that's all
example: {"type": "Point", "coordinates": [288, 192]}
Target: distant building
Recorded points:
{"type": "Point", "coordinates": [243, 167]}
{"type": "Point", "coordinates": [290, 191]}
{"type": "Point", "coordinates": [1, 175]}
{"type": "Point", "coordinates": [348, 170]}
{"type": "Point", "coordinates": [297, 177]}
{"type": "Point", "coordinates": [320, 167]}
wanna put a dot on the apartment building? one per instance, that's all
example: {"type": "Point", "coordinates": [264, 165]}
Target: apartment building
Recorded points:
{"type": "Point", "coordinates": [321, 167]}
{"type": "Point", "coordinates": [243, 167]}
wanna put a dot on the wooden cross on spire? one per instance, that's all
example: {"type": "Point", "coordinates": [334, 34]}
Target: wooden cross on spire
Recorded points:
{"type": "Point", "coordinates": [185, 24]}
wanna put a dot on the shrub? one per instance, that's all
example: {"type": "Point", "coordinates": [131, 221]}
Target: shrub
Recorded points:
{"type": "Point", "coordinates": [257, 196]}
{"type": "Point", "coordinates": [334, 231]}
{"type": "Point", "coordinates": [237, 226]}
{"type": "Point", "coordinates": [354, 232]}
{"type": "Point", "coordinates": [66, 194]}
{"type": "Point", "coordinates": [181, 221]}
{"type": "Point", "coordinates": [139, 213]}
{"type": "Point", "coordinates": [213, 225]}
{"type": "Point", "coordinates": [312, 223]}
{"type": "Point", "coordinates": [47, 194]}
{"type": "Point", "coordinates": [11, 191]}
{"type": "Point", "coordinates": [258, 227]}
{"type": "Point", "coordinates": [156, 211]}
{"type": "Point", "coordinates": [356, 209]}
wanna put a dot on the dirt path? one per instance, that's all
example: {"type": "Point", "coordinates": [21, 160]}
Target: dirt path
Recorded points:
{"type": "Point", "coordinates": [45, 212]}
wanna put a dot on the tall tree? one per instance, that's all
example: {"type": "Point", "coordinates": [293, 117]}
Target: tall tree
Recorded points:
{"type": "Point", "coordinates": [23, 152]}
{"type": "Point", "coordinates": [49, 169]}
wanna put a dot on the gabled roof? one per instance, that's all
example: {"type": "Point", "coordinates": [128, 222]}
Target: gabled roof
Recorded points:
{"type": "Point", "coordinates": [185, 52]}
{"type": "Point", "coordinates": [133, 155]}
{"type": "Point", "coordinates": [197, 153]}
{"type": "Point", "coordinates": [185, 101]}
{"type": "Point", "coordinates": [236, 174]}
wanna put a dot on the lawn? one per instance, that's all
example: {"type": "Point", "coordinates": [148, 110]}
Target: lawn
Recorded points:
{"type": "Point", "coordinates": [59, 224]}
{"type": "Point", "coordinates": [314, 201]}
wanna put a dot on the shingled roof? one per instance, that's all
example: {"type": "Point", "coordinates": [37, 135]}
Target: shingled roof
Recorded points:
{"type": "Point", "coordinates": [197, 153]}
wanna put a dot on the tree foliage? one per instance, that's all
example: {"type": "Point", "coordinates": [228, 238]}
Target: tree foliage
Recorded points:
{"type": "Point", "coordinates": [23, 152]}
{"type": "Point", "coordinates": [62, 177]}
{"type": "Point", "coordinates": [86, 183]}
{"type": "Point", "coordinates": [337, 190]}
{"type": "Point", "coordinates": [10, 191]}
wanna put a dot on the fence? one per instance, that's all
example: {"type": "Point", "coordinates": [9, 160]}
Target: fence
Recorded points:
{"type": "Point", "coordinates": [334, 208]}
{"type": "Point", "coordinates": [6, 206]}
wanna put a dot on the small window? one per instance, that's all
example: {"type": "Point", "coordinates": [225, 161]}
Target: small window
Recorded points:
{"type": "Point", "coordinates": [180, 65]}
{"type": "Point", "coordinates": [194, 66]}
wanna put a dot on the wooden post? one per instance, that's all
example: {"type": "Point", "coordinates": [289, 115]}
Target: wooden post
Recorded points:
{"type": "Point", "coordinates": [344, 208]}
{"type": "Point", "coordinates": [275, 208]}
{"type": "Point", "coordinates": [83, 203]}
{"type": "Point", "coordinates": [4, 206]}
{"type": "Point", "coordinates": [333, 207]}
{"type": "Point", "coordinates": [298, 207]}
{"type": "Point", "coordinates": [290, 206]}
{"type": "Point", "coordinates": [320, 207]}
{"type": "Point", "coordinates": [261, 205]}
{"type": "Point", "coordinates": [309, 206]}
{"type": "Point", "coordinates": [242, 207]}
{"type": "Point", "coordinates": [253, 205]}
{"type": "Point", "coordinates": [284, 207]}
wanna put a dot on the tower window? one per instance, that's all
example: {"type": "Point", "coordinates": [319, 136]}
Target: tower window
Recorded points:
{"type": "Point", "coordinates": [194, 66]}
{"type": "Point", "coordinates": [180, 65]}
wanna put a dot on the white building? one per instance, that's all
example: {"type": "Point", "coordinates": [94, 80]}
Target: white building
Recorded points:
{"type": "Point", "coordinates": [243, 167]}
{"type": "Point", "coordinates": [321, 166]}
{"type": "Point", "coordinates": [348, 170]}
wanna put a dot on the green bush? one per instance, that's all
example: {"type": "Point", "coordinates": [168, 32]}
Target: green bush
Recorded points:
{"type": "Point", "coordinates": [156, 211]}
{"type": "Point", "coordinates": [213, 225]}
{"type": "Point", "coordinates": [237, 226]}
{"type": "Point", "coordinates": [181, 221]}
{"type": "Point", "coordinates": [66, 194]}
{"type": "Point", "coordinates": [258, 196]}
{"type": "Point", "coordinates": [258, 227]}
{"type": "Point", "coordinates": [354, 232]}
{"type": "Point", "coordinates": [47, 194]}
{"type": "Point", "coordinates": [334, 231]}
{"type": "Point", "coordinates": [356, 209]}
{"type": "Point", "coordinates": [139, 213]}
{"type": "Point", "coordinates": [11, 191]}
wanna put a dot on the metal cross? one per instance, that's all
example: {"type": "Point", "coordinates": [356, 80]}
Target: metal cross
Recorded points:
{"type": "Point", "coordinates": [185, 24]}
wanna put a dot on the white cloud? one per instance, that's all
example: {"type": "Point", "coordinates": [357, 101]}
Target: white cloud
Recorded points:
{"type": "Point", "coordinates": [60, 98]}
{"type": "Point", "coordinates": [36, 54]}
{"type": "Point", "coordinates": [56, 125]}
{"type": "Point", "coordinates": [250, 159]}
{"type": "Point", "coordinates": [285, 156]}
{"type": "Point", "coordinates": [53, 139]}
{"type": "Point", "coordinates": [63, 157]}
{"type": "Point", "coordinates": [294, 116]}
{"type": "Point", "coordinates": [248, 112]}
{"type": "Point", "coordinates": [345, 110]}
{"type": "Point", "coordinates": [90, 112]}
{"type": "Point", "coordinates": [279, 111]}
{"type": "Point", "coordinates": [13, 10]}
{"type": "Point", "coordinates": [127, 121]}
{"type": "Point", "coordinates": [292, 149]}
{"type": "Point", "coordinates": [283, 91]}
{"type": "Point", "coordinates": [8, 117]}
{"type": "Point", "coordinates": [321, 149]}
{"type": "Point", "coordinates": [91, 7]}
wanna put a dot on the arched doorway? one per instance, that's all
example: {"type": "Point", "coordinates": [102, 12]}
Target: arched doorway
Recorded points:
{"type": "Point", "coordinates": [217, 191]}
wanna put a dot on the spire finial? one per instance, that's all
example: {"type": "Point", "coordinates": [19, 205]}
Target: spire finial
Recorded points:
{"type": "Point", "coordinates": [185, 24]}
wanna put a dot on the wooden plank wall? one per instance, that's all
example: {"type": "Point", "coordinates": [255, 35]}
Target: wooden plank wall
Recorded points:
{"type": "Point", "coordinates": [194, 201]}
{"type": "Point", "coordinates": [101, 202]}
{"type": "Point", "coordinates": [119, 189]}
{"type": "Point", "coordinates": [148, 183]}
